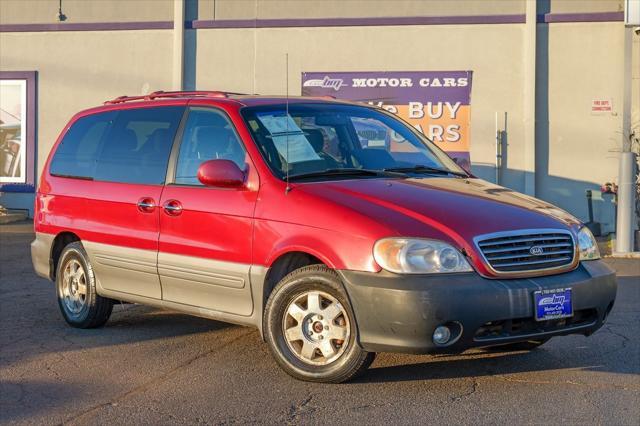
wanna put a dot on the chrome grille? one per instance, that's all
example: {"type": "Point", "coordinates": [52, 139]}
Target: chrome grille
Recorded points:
{"type": "Point", "coordinates": [523, 251]}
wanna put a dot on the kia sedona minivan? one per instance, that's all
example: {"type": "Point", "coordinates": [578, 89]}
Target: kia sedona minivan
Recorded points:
{"type": "Point", "coordinates": [334, 228]}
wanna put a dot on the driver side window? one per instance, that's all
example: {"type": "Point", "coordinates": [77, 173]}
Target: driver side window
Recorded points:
{"type": "Point", "coordinates": [208, 135]}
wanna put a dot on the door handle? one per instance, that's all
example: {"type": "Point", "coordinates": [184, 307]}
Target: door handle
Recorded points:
{"type": "Point", "coordinates": [146, 205]}
{"type": "Point", "coordinates": [172, 207]}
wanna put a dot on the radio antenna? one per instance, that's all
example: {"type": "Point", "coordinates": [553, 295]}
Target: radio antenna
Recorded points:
{"type": "Point", "coordinates": [286, 117]}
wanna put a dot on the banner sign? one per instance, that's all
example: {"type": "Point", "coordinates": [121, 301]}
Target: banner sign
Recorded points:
{"type": "Point", "coordinates": [437, 103]}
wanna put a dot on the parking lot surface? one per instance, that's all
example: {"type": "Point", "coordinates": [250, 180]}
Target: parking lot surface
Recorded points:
{"type": "Point", "coordinates": [151, 366]}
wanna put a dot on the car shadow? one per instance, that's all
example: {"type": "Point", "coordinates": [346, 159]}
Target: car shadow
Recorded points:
{"type": "Point", "coordinates": [129, 324]}
{"type": "Point", "coordinates": [595, 356]}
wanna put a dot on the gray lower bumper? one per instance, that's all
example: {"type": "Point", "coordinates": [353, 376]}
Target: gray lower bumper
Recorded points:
{"type": "Point", "coordinates": [398, 313]}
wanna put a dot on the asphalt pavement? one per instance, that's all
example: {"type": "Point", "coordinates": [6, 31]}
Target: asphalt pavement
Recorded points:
{"type": "Point", "coordinates": [152, 366]}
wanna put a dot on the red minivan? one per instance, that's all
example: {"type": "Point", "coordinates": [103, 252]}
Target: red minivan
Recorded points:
{"type": "Point", "coordinates": [334, 228]}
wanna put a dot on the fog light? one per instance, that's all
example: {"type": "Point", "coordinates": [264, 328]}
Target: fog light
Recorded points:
{"type": "Point", "coordinates": [441, 335]}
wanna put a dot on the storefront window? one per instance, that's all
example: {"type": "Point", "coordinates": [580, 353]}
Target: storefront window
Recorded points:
{"type": "Point", "coordinates": [17, 125]}
{"type": "Point", "coordinates": [13, 103]}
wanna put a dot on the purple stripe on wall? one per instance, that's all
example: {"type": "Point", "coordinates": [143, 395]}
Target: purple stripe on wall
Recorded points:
{"type": "Point", "coordinates": [359, 22]}
{"type": "Point", "coordinates": [583, 17]}
{"type": "Point", "coordinates": [87, 26]}
{"type": "Point", "coordinates": [31, 147]}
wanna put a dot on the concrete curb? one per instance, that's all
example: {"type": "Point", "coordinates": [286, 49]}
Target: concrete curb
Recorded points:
{"type": "Point", "coordinates": [631, 255]}
{"type": "Point", "coordinates": [624, 267]}
{"type": "Point", "coordinates": [12, 217]}
{"type": "Point", "coordinates": [22, 227]}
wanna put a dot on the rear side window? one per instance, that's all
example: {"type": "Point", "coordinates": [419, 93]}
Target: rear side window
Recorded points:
{"type": "Point", "coordinates": [128, 146]}
{"type": "Point", "coordinates": [138, 146]}
{"type": "Point", "coordinates": [76, 154]}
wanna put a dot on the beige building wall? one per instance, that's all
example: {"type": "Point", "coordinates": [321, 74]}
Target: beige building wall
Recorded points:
{"type": "Point", "coordinates": [580, 149]}
{"type": "Point", "coordinates": [586, 6]}
{"type": "Point", "coordinates": [79, 70]}
{"type": "Point", "coordinates": [80, 11]}
{"type": "Point", "coordinates": [253, 61]}
{"type": "Point", "coordinates": [273, 9]}
{"type": "Point", "coordinates": [577, 63]}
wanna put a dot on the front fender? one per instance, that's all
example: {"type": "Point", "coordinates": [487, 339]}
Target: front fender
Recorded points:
{"type": "Point", "coordinates": [337, 250]}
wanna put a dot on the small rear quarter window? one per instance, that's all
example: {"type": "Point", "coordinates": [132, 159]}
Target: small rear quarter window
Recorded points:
{"type": "Point", "coordinates": [76, 153]}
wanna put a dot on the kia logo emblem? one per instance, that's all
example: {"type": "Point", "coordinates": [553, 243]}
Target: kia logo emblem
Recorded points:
{"type": "Point", "coordinates": [536, 250]}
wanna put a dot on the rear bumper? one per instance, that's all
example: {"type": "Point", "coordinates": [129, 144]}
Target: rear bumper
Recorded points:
{"type": "Point", "coordinates": [399, 313]}
{"type": "Point", "coordinates": [41, 254]}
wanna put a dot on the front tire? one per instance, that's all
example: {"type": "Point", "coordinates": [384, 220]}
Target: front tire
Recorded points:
{"type": "Point", "coordinates": [310, 327]}
{"type": "Point", "coordinates": [78, 301]}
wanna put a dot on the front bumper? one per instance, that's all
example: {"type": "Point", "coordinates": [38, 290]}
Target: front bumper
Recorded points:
{"type": "Point", "coordinates": [398, 313]}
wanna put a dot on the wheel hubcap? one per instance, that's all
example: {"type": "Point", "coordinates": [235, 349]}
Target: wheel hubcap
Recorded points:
{"type": "Point", "coordinates": [74, 287]}
{"type": "Point", "coordinates": [316, 328]}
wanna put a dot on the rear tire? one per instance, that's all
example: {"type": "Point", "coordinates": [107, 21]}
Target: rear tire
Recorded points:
{"type": "Point", "coordinates": [78, 301]}
{"type": "Point", "coordinates": [310, 327]}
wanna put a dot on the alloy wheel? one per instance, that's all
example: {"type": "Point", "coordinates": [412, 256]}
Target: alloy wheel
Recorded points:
{"type": "Point", "coordinates": [316, 328]}
{"type": "Point", "coordinates": [74, 287]}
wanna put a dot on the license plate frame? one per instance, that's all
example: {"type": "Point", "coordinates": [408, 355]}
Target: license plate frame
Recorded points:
{"type": "Point", "coordinates": [553, 304]}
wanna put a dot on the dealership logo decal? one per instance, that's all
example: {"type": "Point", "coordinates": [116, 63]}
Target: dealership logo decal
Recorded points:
{"type": "Point", "coordinates": [326, 83]}
{"type": "Point", "coordinates": [536, 250]}
{"type": "Point", "coordinates": [552, 300]}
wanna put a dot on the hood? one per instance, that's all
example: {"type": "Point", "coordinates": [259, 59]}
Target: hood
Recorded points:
{"type": "Point", "coordinates": [459, 208]}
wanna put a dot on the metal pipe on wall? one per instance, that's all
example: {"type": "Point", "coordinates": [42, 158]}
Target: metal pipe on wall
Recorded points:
{"type": "Point", "coordinates": [501, 142]}
{"type": "Point", "coordinates": [497, 151]}
{"type": "Point", "coordinates": [626, 203]}
{"type": "Point", "coordinates": [529, 97]}
{"type": "Point", "coordinates": [626, 173]}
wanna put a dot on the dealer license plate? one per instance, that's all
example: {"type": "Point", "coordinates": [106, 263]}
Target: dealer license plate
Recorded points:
{"type": "Point", "coordinates": [552, 304]}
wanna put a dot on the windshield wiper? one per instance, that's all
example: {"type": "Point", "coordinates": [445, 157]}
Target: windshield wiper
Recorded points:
{"type": "Point", "coordinates": [424, 169]}
{"type": "Point", "coordinates": [346, 172]}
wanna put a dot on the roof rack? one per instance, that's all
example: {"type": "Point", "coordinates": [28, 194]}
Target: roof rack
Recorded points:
{"type": "Point", "coordinates": [177, 94]}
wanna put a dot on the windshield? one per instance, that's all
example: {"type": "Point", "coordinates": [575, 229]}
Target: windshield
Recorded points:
{"type": "Point", "coordinates": [317, 138]}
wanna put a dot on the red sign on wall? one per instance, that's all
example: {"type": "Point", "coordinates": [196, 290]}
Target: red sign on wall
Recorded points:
{"type": "Point", "coordinates": [599, 106]}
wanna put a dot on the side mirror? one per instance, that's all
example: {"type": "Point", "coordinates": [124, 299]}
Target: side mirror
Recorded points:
{"type": "Point", "coordinates": [221, 174]}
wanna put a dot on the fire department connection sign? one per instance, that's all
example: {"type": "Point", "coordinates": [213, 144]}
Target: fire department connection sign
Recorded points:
{"type": "Point", "coordinates": [437, 103]}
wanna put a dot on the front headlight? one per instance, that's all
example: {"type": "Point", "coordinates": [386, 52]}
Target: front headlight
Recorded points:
{"type": "Point", "coordinates": [418, 256]}
{"type": "Point", "coordinates": [587, 245]}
